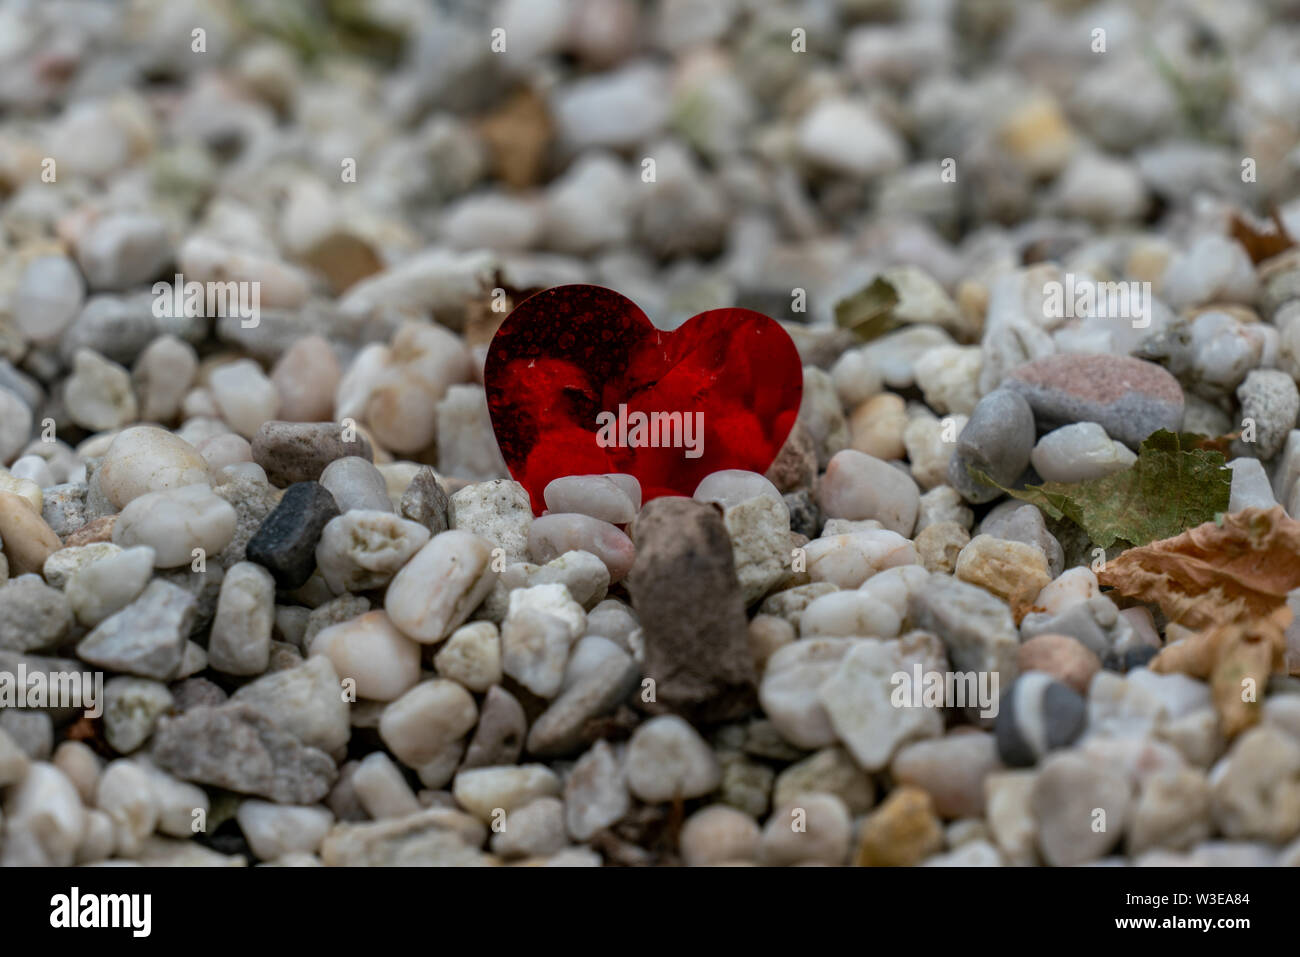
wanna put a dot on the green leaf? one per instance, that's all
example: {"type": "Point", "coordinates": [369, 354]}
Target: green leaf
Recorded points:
{"type": "Point", "coordinates": [869, 312]}
{"type": "Point", "coordinates": [1173, 486]}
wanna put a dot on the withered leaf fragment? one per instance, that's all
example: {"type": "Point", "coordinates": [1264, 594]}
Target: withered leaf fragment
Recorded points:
{"type": "Point", "coordinates": [1230, 580]}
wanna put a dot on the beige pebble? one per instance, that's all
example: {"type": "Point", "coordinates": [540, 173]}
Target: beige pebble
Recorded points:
{"type": "Point", "coordinates": [148, 459]}
{"type": "Point", "coordinates": [305, 378]}
{"type": "Point", "coordinates": [876, 426]}
{"type": "Point", "coordinates": [383, 662]}
{"type": "Point", "coordinates": [1065, 658]}
{"type": "Point", "coordinates": [244, 396]}
{"type": "Point", "coordinates": [28, 541]}
{"type": "Point", "coordinates": [939, 545]}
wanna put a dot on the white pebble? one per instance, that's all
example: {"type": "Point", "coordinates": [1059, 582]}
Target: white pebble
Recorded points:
{"type": "Point", "coordinates": [382, 789]}
{"type": "Point", "coordinates": [368, 649]}
{"type": "Point", "coordinates": [849, 560]}
{"type": "Point", "coordinates": [364, 549]}
{"type": "Point", "coordinates": [859, 486]}
{"type": "Point", "coordinates": [176, 522]}
{"type": "Point", "coordinates": [147, 459]}
{"type": "Point", "coordinates": [244, 396]}
{"type": "Point", "coordinates": [240, 643]}
{"type": "Point", "coordinates": [273, 830]}
{"type": "Point", "coordinates": [730, 487]}
{"type": "Point", "coordinates": [1074, 453]}
{"type": "Point", "coordinates": [438, 588]}
{"type": "Point", "coordinates": [471, 656]}
{"type": "Point", "coordinates": [596, 495]}
{"type": "Point", "coordinates": [109, 584]}
{"type": "Point", "coordinates": [540, 627]}
{"type": "Point", "coordinates": [667, 759]}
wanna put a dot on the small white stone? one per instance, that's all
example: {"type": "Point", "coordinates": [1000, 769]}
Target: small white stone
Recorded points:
{"type": "Point", "coordinates": [48, 299]}
{"type": "Point", "coordinates": [147, 459]}
{"type": "Point", "coordinates": [1075, 453]}
{"type": "Point", "coordinates": [858, 698]}
{"type": "Point", "coordinates": [382, 789]}
{"type": "Point", "coordinates": [125, 794]}
{"type": "Point", "coordinates": [438, 588]}
{"type": "Point", "coordinates": [45, 805]}
{"type": "Point", "coordinates": [273, 830]}
{"type": "Point", "coordinates": [1072, 586]}
{"type": "Point", "coordinates": [534, 830]}
{"type": "Point", "coordinates": [540, 627]}
{"type": "Point", "coordinates": [15, 425]}
{"type": "Point", "coordinates": [64, 563]}
{"type": "Point", "coordinates": [369, 650]}
{"type": "Point", "coordinates": [176, 800]}
{"type": "Point", "coordinates": [28, 477]}
{"type": "Point", "coordinates": [596, 495]}
{"type": "Point", "coordinates": [240, 643]}
{"type": "Point", "coordinates": [847, 137]}
{"type": "Point", "coordinates": [99, 838]}
{"type": "Point", "coordinates": [730, 487]}
{"type": "Point", "coordinates": [76, 760]}
{"type": "Point", "coordinates": [850, 614]}
{"type": "Point", "coordinates": [485, 791]}
{"type": "Point", "coordinates": [860, 486]}
{"type": "Point", "coordinates": [667, 759]}
{"type": "Point", "coordinates": [356, 485]}
{"type": "Point", "coordinates": [220, 451]}
{"type": "Point", "coordinates": [791, 685]}
{"type": "Point", "coordinates": [1250, 485]}
{"type": "Point", "coordinates": [363, 549]}
{"type": "Point", "coordinates": [244, 396]}
{"type": "Point", "coordinates": [814, 828]}
{"type": "Point", "coordinates": [98, 393]}
{"type": "Point", "coordinates": [163, 374]}
{"type": "Point", "coordinates": [421, 725]}
{"type": "Point", "coordinates": [471, 656]}
{"type": "Point", "coordinates": [849, 560]}
{"type": "Point", "coordinates": [718, 834]}
{"type": "Point", "coordinates": [595, 792]}
{"type": "Point", "coordinates": [176, 522]}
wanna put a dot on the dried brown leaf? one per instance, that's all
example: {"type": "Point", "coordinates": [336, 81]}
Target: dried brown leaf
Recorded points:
{"type": "Point", "coordinates": [1229, 580]}
{"type": "Point", "coordinates": [1261, 244]}
{"type": "Point", "coordinates": [1228, 655]}
{"type": "Point", "coordinates": [1240, 566]}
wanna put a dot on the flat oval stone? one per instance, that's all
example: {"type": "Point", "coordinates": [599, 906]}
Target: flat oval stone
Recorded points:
{"type": "Point", "coordinates": [1129, 398]}
{"type": "Point", "coordinates": [285, 543]}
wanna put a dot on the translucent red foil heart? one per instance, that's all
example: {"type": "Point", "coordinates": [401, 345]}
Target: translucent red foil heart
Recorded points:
{"type": "Point", "coordinates": [571, 353]}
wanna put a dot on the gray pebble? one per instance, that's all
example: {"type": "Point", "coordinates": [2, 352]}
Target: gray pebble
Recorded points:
{"type": "Point", "coordinates": [356, 484]}
{"type": "Point", "coordinates": [1035, 716]}
{"type": "Point", "coordinates": [997, 440]}
{"type": "Point", "coordinates": [424, 501]}
{"type": "Point", "coordinates": [147, 637]}
{"type": "Point", "coordinates": [33, 616]}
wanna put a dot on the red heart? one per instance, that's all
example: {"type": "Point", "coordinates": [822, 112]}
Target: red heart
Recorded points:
{"type": "Point", "coordinates": [570, 353]}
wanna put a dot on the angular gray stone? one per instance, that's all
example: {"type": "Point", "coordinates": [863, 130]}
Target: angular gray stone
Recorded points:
{"type": "Point", "coordinates": [685, 592]}
{"type": "Point", "coordinates": [499, 737]}
{"type": "Point", "coordinates": [237, 748]}
{"type": "Point", "coordinates": [559, 729]}
{"type": "Point", "coordinates": [147, 637]}
{"type": "Point", "coordinates": [33, 616]}
{"type": "Point", "coordinates": [975, 626]}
